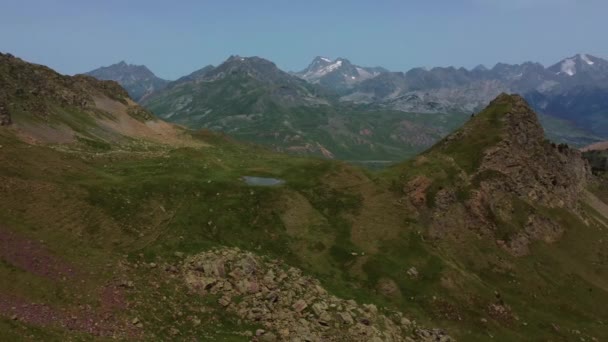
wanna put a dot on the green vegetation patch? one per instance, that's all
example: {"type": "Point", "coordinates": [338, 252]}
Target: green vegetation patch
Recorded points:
{"type": "Point", "coordinates": [467, 145]}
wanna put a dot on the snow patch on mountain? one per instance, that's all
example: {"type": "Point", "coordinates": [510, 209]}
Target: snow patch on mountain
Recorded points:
{"type": "Point", "coordinates": [586, 59]}
{"type": "Point", "coordinates": [568, 67]}
{"type": "Point", "coordinates": [331, 67]}
{"type": "Point", "coordinates": [365, 74]}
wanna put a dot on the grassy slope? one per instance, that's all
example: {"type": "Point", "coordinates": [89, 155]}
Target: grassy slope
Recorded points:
{"type": "Point", "coordinates": [93, 208]}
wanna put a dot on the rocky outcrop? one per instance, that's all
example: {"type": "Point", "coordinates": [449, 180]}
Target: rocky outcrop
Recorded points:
{"type": "Point", "coordinates": [528, 173]}
{"type": "Point", "coordinates": [508, 179]}
{"type": "Point", "coordinates": [291, 306]}
{"type": "Point", "coordinates": [531, 167]}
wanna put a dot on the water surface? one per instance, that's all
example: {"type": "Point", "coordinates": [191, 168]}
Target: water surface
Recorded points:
{"type": "Point", "coordinates": [262, 181]}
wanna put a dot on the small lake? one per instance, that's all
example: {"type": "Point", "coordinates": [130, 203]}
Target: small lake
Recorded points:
{"type": "Point", "coordinates": [262, 181]}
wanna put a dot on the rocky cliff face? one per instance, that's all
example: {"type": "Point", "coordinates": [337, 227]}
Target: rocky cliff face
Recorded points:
{"type": "Point", "coordinates": [503, 176]}
{"type": "Point", "coordinates": [531, 167]}
{"type": "Point", "coordinates": [531, 176]}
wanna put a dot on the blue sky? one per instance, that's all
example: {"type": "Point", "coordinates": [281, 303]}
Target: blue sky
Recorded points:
{"type": "Point", "coordinates": [176, 37]}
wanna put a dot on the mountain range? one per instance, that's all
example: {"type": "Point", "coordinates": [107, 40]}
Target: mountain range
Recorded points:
{"type": "Point", "coordinates": [572, 90]}
{"type": "Point", "coordinates": [115, 224]}
{"type": "Point", "coordinates": [253, 100]}
{"type": "Point", "coordinates": [368, 113]}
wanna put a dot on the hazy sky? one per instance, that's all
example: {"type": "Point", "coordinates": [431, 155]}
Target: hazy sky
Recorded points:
{"type": "Point", "coordinates": [176, 37]}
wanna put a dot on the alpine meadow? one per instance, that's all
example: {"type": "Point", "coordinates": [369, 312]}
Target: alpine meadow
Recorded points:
{"type": "Point", "coordinates": [237, 188]}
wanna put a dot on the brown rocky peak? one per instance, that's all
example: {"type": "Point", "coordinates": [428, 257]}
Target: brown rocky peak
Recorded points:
{"type": "Point", "coordinates": [507, 124]}
{"type": "Point", "coordinates": [519, 124]}
{"type": "Point", "coordinates": [511, 175]}
{"type": "Point", "coordinates": [531, 167]}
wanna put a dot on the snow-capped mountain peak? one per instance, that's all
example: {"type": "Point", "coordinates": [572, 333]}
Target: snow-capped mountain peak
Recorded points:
{"type": "Point", "coordinates": [339, 70]}
{"type": "Point", "coordinates": [320, 67]}
{"type": "Point", "coordinates": [579, 64]}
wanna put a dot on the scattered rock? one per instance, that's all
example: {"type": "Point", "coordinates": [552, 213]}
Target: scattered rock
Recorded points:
{"type": "Point", "coordinates": [388, 288]}
{"type": "Point", "coordinates": [268, 337]}
{"type": "Point", "coordinates": [300, 305]}
{"type": "Point", "coordinates": [224, 301]}
{"type": "Point", "coordinates": [288, 304]}
{"type": "Point", "coordinates": [137, 323]}
{"type": "Point", "coordinates": [413, 273]}
{"type": "Point", "coordinates": [127, 284]}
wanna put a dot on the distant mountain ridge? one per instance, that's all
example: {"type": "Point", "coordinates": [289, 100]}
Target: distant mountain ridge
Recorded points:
{"type": "Point", "coordinates": [573, 89]}
{"type": "Point", "coordinates": [138, 80]}
{"type": "Point", "coordinates": [569, 95]}
{"type": "Point", "coordinates": [337, 74]}
{"type": "Point", "coordinates": [252, 99]}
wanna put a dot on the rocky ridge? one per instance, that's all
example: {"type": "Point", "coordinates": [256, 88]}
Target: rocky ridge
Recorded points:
{"type": "Point", "coordinates": [506, 174]}
{"type": "Point", "coordinates": [290, 305]}
{"type": "Point", "coordinates": [43, 106]}
{"type": "Point", "coordinates": [553, 175]}
{"type": "Point", "coordinates": [138, 80]}
{"type": "Point", "coordinates": [530, 168]}
{"type": "Point", "coordinates": [35, 88]}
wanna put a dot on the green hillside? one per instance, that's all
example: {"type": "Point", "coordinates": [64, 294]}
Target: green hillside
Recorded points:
{"type": "Point", "coordinates": [457, 238]}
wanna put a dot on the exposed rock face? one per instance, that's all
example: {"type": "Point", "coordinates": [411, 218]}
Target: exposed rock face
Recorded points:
{"type": "Point", "coordinates": [512, 175]}
{"type": "Point", "coordinates": [529, 172]}
{"type": "Point", "coordinates": [533, 168]}
{"type": "Point", "coordinates": [291, 306]}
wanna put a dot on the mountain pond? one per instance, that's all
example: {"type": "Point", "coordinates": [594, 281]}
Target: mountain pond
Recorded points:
{"type": "Point", "coordinates": [262, 181]}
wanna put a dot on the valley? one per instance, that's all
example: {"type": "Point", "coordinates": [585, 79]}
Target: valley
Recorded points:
{"type": "Point", "coordinates": [116, 224]}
